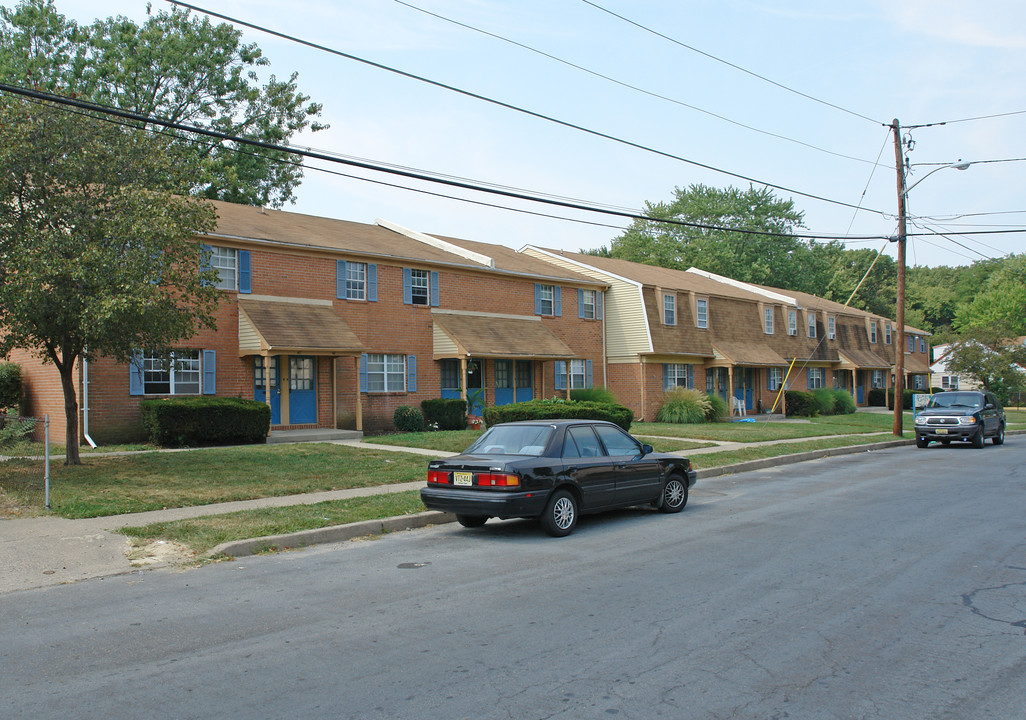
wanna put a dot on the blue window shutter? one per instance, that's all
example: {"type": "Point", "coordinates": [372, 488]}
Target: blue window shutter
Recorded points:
{"type": "Point", "coordinates": [808, 379]}
{"type": "Point", "coordinates": [209, 372]}
{"type": "Point", "coordinates": [407, 286]}
{"type": "Point", "coordinates": [666, 377]}
{"type": "Point", "coordinates": [560, 375]}
{"type": "Point", "coordinates": [411, 373]}
{"type": "Point", "coordinates": [587, 374]}
{"type": "Point", "coordinates": [372, 282]}
{"type": "Point", "coordinates": [537, 299]}
{"type": "Point", "coordinates": [363, 373]}
{"type": "Point", "coordinates": [245, 272]}
{"type": "Point", "coordinates": [135, 375]}
{"type": "Point", "coordinates": [600, 300]}
{"type": "Point", "coordinates": [434, 289]}
{"type": "Point", "coordinates": [340, 279]}
{"type": "Point", "coordinates": [691, 376]}
{"type": "Point", "coordinates": [558, 305]}
{"type": "Point", "coordinates": [580, 303]}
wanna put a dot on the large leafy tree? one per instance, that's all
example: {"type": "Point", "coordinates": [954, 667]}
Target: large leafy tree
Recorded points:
{"type": "Point", "coordinates": [727, 237]}
{"type": "Point", "coordinates": [1000, 303]}
{"type": "Point", "coordinates": [99, 253]}
{"type": "Point", "coordinates": [177, 67]}
{"type": "Point", "coordinates": [990, 357]}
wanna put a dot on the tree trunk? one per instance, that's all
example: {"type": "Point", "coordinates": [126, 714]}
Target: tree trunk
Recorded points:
{"type": "Point", "coordinates": [71, 456]}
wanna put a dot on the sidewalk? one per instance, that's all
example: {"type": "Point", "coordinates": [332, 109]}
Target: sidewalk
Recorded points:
{"type": "Point", "coordinates": [38, 552]}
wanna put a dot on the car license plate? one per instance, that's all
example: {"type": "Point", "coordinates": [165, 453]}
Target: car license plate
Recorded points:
{"type": "Point", "coordinates": [462, 478]}
{"type": "Point", "coordinates": [942, 431]}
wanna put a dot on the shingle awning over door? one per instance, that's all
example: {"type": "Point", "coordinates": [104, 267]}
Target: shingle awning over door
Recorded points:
{"type": "Point", "coordinates": [473, 335]}
{"type": "Point", "coordinates": [915, 365]}
{"type": "Point", "coordinates": [748, 354]}
{"type": "Point", "coordinates": [859, 359]}
{"type": "Point", "coordinates": [288, 328]}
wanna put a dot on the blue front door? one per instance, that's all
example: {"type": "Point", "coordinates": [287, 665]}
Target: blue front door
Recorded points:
{"type": "Point", "coordinates": [525, 381]}
{"type": "Point", "coordinates": [475, 386]}
{"type": "Point", "coordinates": [860, 379]}
{"type": "Point", "coordinates": [259, 385]}
{"type": "Point", "coordinates": [302, 390]}
{"type": "Point", "coordinates": [504, 392]}
{"type": "Point", "coordinates": [743, 386]}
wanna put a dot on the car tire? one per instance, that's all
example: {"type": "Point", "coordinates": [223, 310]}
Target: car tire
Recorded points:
{"type": "Point", "coordinates": [999, 439]}
{"type": "Point", "coordinates": [922, 442]}
{"type": "Point", "coordinates": [471, 521]}
{"type": "Point", "coordinates": [675, 495]}
{"type": "Point", "coordinates": [560, 516]}
{"type": "Point", "coordinates": [977, 439]}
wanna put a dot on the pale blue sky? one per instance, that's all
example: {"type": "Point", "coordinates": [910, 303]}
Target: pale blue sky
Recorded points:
{"type": "Point", "coordinates": [920, 61]}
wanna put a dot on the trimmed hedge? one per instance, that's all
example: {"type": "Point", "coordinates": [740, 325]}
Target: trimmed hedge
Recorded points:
{"type": "Point", "coordinates": [800, 403]}
{"type": "Point", "coordinates": [844, 403]}
{"type": "Point", "coordinates": [878, 397]}
{"type": "Point", "coordinates": [12, 388]}
{"type": "Point", "coordinates": [596, 394]}
{"type": "Point", "coordinates": [556, 408]}
{"type": "Point", "coordinates": [408, 419]}
{"type": "Point", "coordinates": [190, 421]}
{"type": "Point", "coordinates": [906, 398]}
{"type": "Point", "coordinates": [449, 414]}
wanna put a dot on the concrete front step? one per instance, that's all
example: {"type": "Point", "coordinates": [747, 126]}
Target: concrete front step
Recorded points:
{"type": "Point", "coordinates": [312, 435]}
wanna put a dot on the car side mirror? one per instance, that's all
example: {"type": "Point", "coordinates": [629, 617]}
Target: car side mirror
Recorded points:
{"type": "Point", "coordinates": [646, 449]}
{"type": "Point", "coordinates": [988, 406]}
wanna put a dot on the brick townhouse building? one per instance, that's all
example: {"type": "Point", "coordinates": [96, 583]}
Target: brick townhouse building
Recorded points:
{"type": "Point", "coordinates": [335, 324]}
{"type": "Point", "coordinates": [738, 340]}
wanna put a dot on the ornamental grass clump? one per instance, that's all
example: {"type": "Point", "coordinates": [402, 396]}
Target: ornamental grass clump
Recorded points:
{"type": "Point", "coordinates": [684, 405]}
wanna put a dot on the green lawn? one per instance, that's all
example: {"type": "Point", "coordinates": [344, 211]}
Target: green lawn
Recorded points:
{"type": "Point", "coordinates": [459, 440]}
{"type": "Point", "coordinates": [113, 485]}
{"type": "Point", "coordinates": [766, 430]}
{"type": "Point", "coordinates": [729, 457]}
{"type": "Point", "coordinates": [203, 533]}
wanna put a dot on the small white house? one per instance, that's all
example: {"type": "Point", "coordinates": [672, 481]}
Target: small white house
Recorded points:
{"type": "Point", "coordinates": [941, 377]}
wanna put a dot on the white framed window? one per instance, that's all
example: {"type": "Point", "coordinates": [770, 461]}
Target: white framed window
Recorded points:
{"type": "Point", "coordinates": [792, 322]}
{"type": "Point", "coordinates": [678, 375]}
{"type": "Point", "coordinates": [817, 378]}
{"type": "Point", "coordinates": [589, 302]}
{"type": "Point", "coordinates": [911, 343]}
{"type": "Point", "coordinates": [918, 382]}
{"type": "Point", "coordinates": [578, 374]}
{"type": "Point", "coordinates": [812, 324]}
{"type": "Point", "coordinates": [949, 382]}
{"type": "Point", "coordinates": [176, 375]}
{"type": "Point", "coordinates": [669, 309]}
{"type": "Point", "coordinates": [226, 262]}
{"type": "Point", "coordinates": [702, 313]}
{"type": "Point", "coordinates": [356, 281]}
{"type": "Point", "coordinates": [887, 334]}
{"type": "Point", "coordinates": [386, 373]}
{"type": "Point", "coordinates": [420, 287]}
{"type": "Point", "coordinates": [546, 293]}
{"type": "Point", "coordinates": [767, 320]}
{"type": "Point", "coordinates": [774, 378]}
{"type": "Point", "coordinates": [872, 331]}
{"type": "Point", "coordinates": [877, 379]}
{"type": "Point", "coordinates": [831, 327]}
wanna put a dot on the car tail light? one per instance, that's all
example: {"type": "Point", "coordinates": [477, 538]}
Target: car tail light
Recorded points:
{"type": "Point", "coordinates": [438, 477]}
{"type": "Point", "coordinates": [491, 480]}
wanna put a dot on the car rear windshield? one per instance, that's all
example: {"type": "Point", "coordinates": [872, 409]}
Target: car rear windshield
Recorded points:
{"type": "Point", "coordinates": [960, 400]}
{"type": "Point", "coordinates": [512, 440]}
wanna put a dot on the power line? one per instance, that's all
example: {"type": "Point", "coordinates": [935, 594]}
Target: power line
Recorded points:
{"type": "Point", "coordinates": [630, 86]}
{"type": "Point", "coordinates": [732, 65]}
{"type": "Point", "coordinates": [509, 106]}
{"type": "Point", "coordinates": [961, 120]}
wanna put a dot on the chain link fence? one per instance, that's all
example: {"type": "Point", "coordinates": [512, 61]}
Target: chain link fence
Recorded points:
{"type": "Point", "coordinates": [15, 429]}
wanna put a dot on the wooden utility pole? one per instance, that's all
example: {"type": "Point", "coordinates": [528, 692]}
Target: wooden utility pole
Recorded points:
{"type": "Point", "coordinates": [899, 339]}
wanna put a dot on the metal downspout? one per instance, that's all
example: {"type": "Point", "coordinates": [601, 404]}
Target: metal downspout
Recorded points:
{"type": "Point", "coordinates": [85, 403]}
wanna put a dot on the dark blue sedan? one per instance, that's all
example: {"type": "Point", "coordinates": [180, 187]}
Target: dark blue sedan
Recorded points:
{"type": "Point", "coordinates": [554, 470]}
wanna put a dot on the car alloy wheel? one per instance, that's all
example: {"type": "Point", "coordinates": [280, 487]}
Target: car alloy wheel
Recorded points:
{"type": "Point", "coordinates": [675, 495]}
{"type": "Point", "coordinates": [560, 516]}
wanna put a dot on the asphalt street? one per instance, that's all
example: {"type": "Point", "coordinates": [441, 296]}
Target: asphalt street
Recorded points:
{"type": "Point", "coordinates": [889, 584]}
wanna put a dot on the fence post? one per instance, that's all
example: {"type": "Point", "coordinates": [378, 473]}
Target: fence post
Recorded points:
{"type": "Point", "coordinates": [46, 458]}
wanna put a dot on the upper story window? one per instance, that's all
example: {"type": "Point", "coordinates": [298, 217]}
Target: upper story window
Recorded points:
{"type": "Point", "coordinates": [767, 320]}
{"type": "Point", "coordinates": [831, 327]}
{"type": "Point", "coordinates": [702, 313]}
{"type": "Point", "coordinates": [872, 331]}
{"type": "Point", "coordinates": [226, 262]}
{"type": "Point", "coordinates": [911, 343]}
{"type": "Point", "coordinates": [547, 300]}
{"type": "Point", "coordinates": [812, 324]}
{"type": "Point", "coordinates": [887, 334]}
{"type": "Point", "coordinates": [420, 287]}
{"type": "Point", "coordinates": [922, 344]}
{"type": "Point", "coordinates": [356, 281]}
{"type": "Point", "coordinates": [792, 322]}
{"type": "Point", "coordinates": [588, 301]}
{"type": "Point", "coordinates": [669, 309]}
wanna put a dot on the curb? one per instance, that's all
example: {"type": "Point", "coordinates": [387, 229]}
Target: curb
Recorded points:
{"type": "Point", "coordinates": [798, 457]}
{"type": "Point", "coordinates": [331, 534]}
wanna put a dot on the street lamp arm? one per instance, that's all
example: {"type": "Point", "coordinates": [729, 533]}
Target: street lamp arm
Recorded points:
{"type": "Point", "coordinates": [957, 166]}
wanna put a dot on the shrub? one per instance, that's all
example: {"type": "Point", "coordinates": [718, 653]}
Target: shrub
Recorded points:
{"type": "Point", "coordinates": [559, 408]}
{"type": "Point", "coordinates": [684, 405]}
{"type": "Point", "coordinates": [408, 419]}
{"type": "Point", "coordinates": [844, 403]}
{"type": "Point", "coordinates": [192, 421]}
{"type": "Point", "coordinates": [824, 401]}
{"type": "Point", "coordinates": [12, 389]}
{"type": "Point", "coordinates": [14, 428]}
{"type": "Point", "coordinates": [878, 397]}
{"type": "Point", "coordinates": [448, 414]}
{"type": "Point", "coordinates": [598, 394]}
{"type": "Point", "coordinates": [906, 398]}
{"type": "Point", "coordinates": [800, 403]}
{"type": "Point", "coordinates": [717, 408]}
